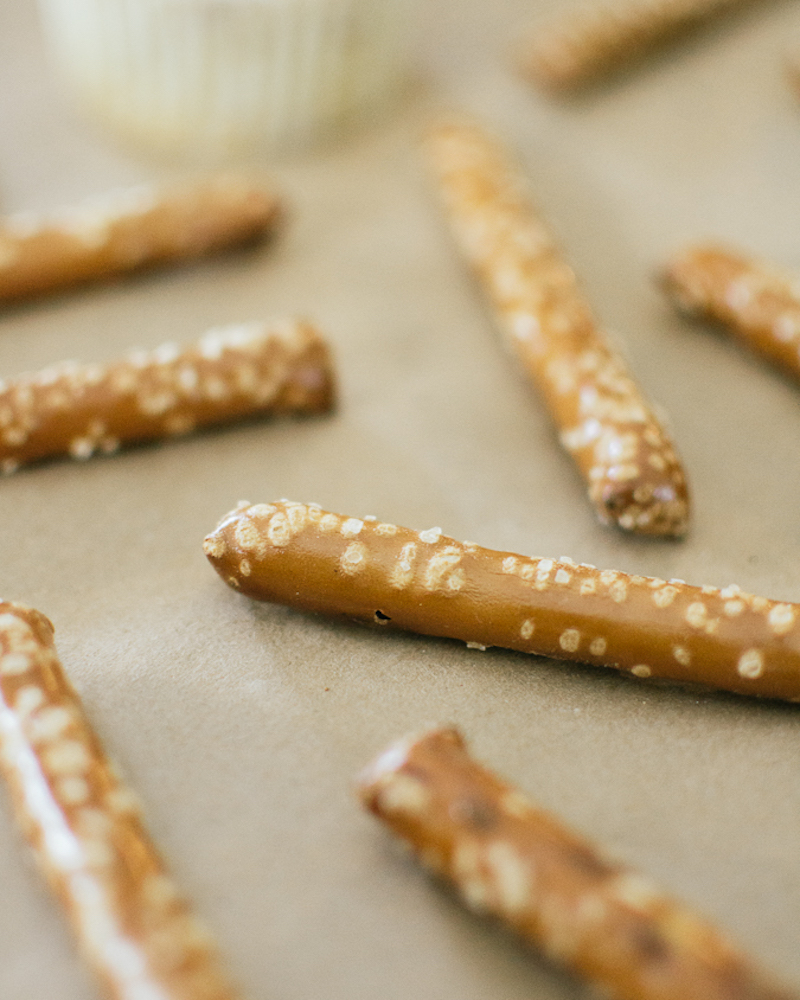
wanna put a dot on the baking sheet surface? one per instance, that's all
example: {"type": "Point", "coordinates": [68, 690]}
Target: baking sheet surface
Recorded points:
{"type": "Point", "coordinates": [242, 726]}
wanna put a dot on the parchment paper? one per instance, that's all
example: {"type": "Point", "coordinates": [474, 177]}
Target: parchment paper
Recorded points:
{"type": "Point", "coordinates": [241, 726]}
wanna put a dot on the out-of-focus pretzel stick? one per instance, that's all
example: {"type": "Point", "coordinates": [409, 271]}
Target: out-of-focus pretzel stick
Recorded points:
{"type": "Point", "coordinates": [600, 36]}
{"type": "Point", "coordinates": [507, 857]}
{"type": "Point", "coordinates": [627, 459]}
{"type": "Point", "coordinates": [297, 554]}
{"type": "Point", "coordinates": [127, 230]}
{"type": "Point", "coordinates": [230, 373]}
{"type": "Point", "coordinates": [87, 831]}
{"type": "Point", "coordinates": [750, 298]}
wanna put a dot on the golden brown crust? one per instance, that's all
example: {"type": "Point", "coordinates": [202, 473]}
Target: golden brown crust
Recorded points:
{"type": "Point", "coordinates": [87, 831]}
{"type": "Point", "coordinates": [602, 36]}
{"type": "Point", "coordinates": [622, 450]}
{"type": "Point", "coordinates": [750, 298]}
{"type": "Point", "coordinates": [129, 230]}
{"type": "Point", "coordinates": [425, 582]}
{"type": "Point", "coordinates": [230, 373]}
{"type": "Point", "coordinates": [507, 857]}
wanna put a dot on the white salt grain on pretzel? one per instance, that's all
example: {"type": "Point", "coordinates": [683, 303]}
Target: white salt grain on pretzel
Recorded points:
{"type": "Point", "coordinates": [634, 476]}
{"type": "Point", "coordinates": [507, 857]}
{"type": "Point", "coordinates": [230, 373]}
{"type": "Point", "coordinates": [128, 230]}
{"type": "Point", "coordinates": [87, 831]}
{"type": "Point", "coordinates": [302, 556]}
{"type": "Point", "coordinates": [600, 36]}
{"type": "Point", "coordinates": [752, 299]}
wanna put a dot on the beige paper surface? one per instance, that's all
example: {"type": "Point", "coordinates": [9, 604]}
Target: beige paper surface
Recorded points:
{"type": "Point", "coordinates": [240, 725]}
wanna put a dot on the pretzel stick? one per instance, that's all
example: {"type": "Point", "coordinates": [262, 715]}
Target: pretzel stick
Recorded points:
{"type": "Point", "coordinates": [751, 299]}
{"type": "Point", "coordinates": [634, 476]}
{"type": "Point", "coordinates": [600, 37]}
{"type": "Point", "coordinates": [230, 373]}
{"type": "Point", "coordinates": [128, 230]}
{"type": "Point", "coordinates": [425, 582]}
{"type": "Point", "coordinates": [87, 831]}
{"type": "Point", "coordinates": [507, 857]}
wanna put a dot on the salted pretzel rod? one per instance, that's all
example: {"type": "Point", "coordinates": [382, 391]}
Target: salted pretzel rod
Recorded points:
{"type": "Point", "coordinates": [601, 36]}
{"type": "Point", "coordinates": [302, 556]}
{"type": "Point", "coordinates": [634, 477]}
{"type": "Point", "coordinates": [230, 373]}
{"type": "Point", "coordinates": [750, 298]}
{"type": "Point", "coordinates": [506, 857]}
{"type": "Point", "coordinates": [127, 230]}
{"type": "Point", "coordinates": [87, 831]}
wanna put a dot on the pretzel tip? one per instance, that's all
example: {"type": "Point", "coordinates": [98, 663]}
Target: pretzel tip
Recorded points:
{"type": "Point", "coordinates": [551, 67]}
{"type": "Point", "coordinates": [660, 511]}
{"type": "Point", "coordinates": [41, 626]}
{"type": "Point", "coordinates": [370, 780]}
{"type": "Point", "coordinates": [253, 199]}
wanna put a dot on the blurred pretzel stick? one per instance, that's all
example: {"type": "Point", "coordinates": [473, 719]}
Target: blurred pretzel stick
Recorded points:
{"type": "Point", "coordinates": [507, 857]}
{"type": "Point", "coordinates": [231, 373]}
{"type": "Point", "coordinates": [625, 455]}
{"type": "Point", "coordinates": [600, 36]}
{"type": "Point", "coordinates": [128, 230]}
{"type": "Point", "coordinates": [752, 299]}
{"type": "Point", "coordinates": [87, 831]}
{"type": "Point", "coordinates": [423, 581]}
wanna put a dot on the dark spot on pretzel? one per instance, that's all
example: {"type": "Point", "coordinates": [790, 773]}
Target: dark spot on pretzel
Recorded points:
{"type": "Point", "coordinates": [650, 946]}
{"type": "Point", "coordinates": [478, 814]}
